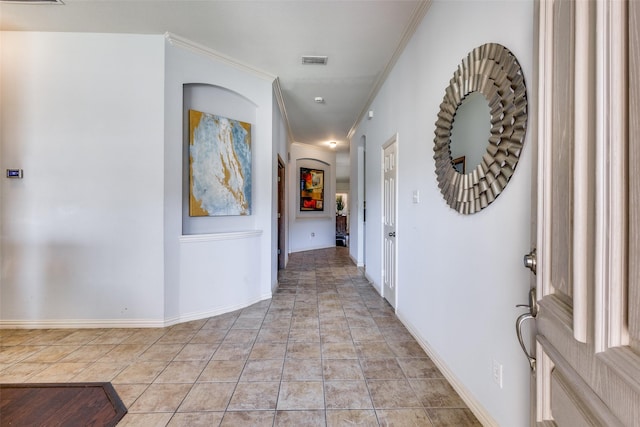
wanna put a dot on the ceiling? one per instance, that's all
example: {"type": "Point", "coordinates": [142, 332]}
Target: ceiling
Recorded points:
{"type": "Point", "coordinates": [361, 38]}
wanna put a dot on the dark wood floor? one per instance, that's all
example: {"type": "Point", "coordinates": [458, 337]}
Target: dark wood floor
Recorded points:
{"type": "Point", "coordinates": [77, 404]}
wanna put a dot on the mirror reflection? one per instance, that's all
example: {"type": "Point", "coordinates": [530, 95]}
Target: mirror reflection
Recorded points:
{"type": "Point", "coordinates": [470, 132]}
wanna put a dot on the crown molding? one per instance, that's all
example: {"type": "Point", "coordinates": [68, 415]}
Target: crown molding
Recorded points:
{"type": "Point", "coordinates": [179, 41]}
{"type": "Point", "coordinates": [277, 91]}
{"type": "Point", "coordinates": [418, 14]}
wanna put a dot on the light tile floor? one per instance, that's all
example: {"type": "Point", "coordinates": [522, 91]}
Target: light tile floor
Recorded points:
{"type": "Point", "coordinates": [326, 350]}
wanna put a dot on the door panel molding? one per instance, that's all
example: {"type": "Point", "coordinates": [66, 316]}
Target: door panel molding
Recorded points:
{"type": "Point", "coordinates": [611, 327]}
{"type": "Point", "coordinates": [544, 367]}
{"type": "Point", "coordinates": [577, 405]}
{"type": "Point", "coordinates": [545, 67]}
{"type": "Point", "coordinates": [583, 133]}
{"type": "Point", "coordinates": [634, 175]}
{"type": "Point", "coordinates": [615, 367]}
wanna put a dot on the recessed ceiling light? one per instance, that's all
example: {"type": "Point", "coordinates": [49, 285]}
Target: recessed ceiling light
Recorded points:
{"type": "Point", "coordinates": [314, 60]}
{"type": "Point", "coordinates": [319, 99]}
{"type": "Point", "coordinates": [333, 144]}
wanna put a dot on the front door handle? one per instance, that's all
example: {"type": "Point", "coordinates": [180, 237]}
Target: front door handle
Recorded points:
{"type": "Point", "coordinates": [521, 319]}
{"type": "Point", "coordinates": [533, 312]}
{"type": "Point", "coordinates": [392, 234]}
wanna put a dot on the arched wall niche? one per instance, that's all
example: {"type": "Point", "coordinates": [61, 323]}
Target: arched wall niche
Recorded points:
{"type": "Point", "coordinates": [329, 187]}
{"type": "Point", "coordinates": [222, 102]}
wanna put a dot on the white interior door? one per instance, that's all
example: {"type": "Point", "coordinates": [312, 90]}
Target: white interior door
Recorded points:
{"type": "Point", "coordinates": [588, 213]}
{"type": "Point", "coordinates": [389, 219]}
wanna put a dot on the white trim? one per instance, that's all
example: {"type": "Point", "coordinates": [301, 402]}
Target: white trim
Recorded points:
{"type": "Point", "coordinates": [545, 64]}
{"type": "Point", "coordinates": [212, 237]}
{"type": "Point", "coordinates": [611, 329]}
{"type": "Point", "coordinates": [582, 143]}
{"type": "Point", "coordinates": [541, 399]}
{"type": "Point", "coordinates": [212, 313]}
{"type": "Point", "coordinates": [81, 323]}
{"type": "Point", "coordinates": [373, 283]}
{"type": "Point", "coordinates": [581, 181]}
{"type": "Point", "coordinates": [355, 261]}
{"type": "Point", "coordinates": [125, 323]}
{"type": "Point", "coordinates": [34, 2]}
{"type": "Point", "coordinates": [277, 92]}
{"type": "Point", "coordinates": [544, 366]}
{"type": "Point", "coordinates": [313, 248]}
{"type": "Point", "coordinates": [176, 40]}
{"type": "Point", "coordinates": [474, 405]}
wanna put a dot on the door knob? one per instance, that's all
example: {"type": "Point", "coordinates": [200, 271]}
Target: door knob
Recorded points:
{"type": "Point", "coordinates": [530, 261]}
{"type": "Point", "coordinates": [392, 234]}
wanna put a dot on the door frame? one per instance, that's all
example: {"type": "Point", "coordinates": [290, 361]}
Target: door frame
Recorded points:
{"type": "Point", "coordinates": [361, 199]}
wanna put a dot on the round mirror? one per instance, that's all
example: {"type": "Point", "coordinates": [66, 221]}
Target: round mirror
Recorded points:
{"type": "Point", "coordinates": [470, 133]}
{"type": "Point", "coordinates": [494, 73]}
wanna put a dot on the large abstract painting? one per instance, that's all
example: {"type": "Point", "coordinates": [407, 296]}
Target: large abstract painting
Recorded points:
{"type": "Point", "coordinates": [219, 165]}
{"type": "Point", "coordinates": [311, 189]}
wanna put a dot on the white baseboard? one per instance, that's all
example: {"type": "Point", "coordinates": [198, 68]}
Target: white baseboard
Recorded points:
{"type": "Point", "coordinates": [373, 284]}
{"type": "Point", "coordinates": [355, 261]}
{"type": "Point", "coordinates": [189, 317]}
{"type": "Point", "coordinates": [478, 410]}
{"type": "Point", "coordinates": [81, 323]}
{"type": "Point", "coordinates": [311, 248]}
{"type": "Point", "coordinates": [124, 323]}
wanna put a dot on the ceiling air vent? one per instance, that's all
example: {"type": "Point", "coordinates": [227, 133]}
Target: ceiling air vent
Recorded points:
{"type": "Point", "coordinates": [314, 60]}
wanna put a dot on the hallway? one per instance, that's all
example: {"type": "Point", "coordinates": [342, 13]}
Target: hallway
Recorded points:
{"type": "Point", "coordinates": [325, 350]}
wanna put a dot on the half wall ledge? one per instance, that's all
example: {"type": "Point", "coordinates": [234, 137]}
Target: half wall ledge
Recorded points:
{"type": "Point", "coordinates": [211, 237]}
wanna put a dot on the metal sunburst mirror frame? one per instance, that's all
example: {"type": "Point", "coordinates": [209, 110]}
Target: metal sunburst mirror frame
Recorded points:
{"type": "Point", "coordinates": [493, 71]}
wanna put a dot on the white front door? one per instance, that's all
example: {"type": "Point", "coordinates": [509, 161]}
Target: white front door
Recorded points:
{"type": "Point", "coordinates": [588, 213]}
{"type": "Point", "coordinates": [389, 189]}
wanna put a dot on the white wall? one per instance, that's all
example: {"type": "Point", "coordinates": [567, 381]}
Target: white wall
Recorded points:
{"type": "Point", "coordinates": [92, 236]}
{"type": "Point", "coordinates": [459, 277]}
{"type": "Point", "coordinates": [357, 210]}
{"type": "Point", "coordinates": [311, 230]}
{"type": "Point", "coordinates": [82, 232]}
{"type": "Point", "coordinates": [225, 262]}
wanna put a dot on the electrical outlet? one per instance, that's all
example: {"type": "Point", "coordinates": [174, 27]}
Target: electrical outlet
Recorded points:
{"type": "Point", "coordinates": [497, 373]}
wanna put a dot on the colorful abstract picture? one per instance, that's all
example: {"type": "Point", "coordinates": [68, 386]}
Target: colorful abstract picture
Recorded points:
{"type": "Point", "coordinates": [311, 189]}
{"type": "Point", "coordinates": [219, 165]}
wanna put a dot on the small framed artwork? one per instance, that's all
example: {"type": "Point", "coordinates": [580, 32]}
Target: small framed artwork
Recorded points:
{"type": "Point", "coordinates": [311, 190]}
{"type": "Point", "coordinates": [459, 164]}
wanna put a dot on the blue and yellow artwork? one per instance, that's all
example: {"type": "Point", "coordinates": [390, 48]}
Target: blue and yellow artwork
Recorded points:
{"type": "Point", "coordinates": [219, 165]}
